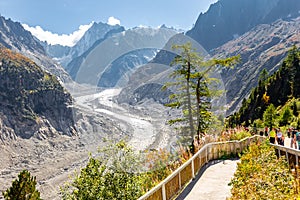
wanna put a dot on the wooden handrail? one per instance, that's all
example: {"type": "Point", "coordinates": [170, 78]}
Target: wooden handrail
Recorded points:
{"type": "Point", "coordinates": [176, 181]}
{"type": "Point", "coordinates": [292, 155]}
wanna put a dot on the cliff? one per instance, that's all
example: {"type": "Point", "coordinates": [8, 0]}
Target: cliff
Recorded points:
{"type": "Point", "coordinates": [32, 102]}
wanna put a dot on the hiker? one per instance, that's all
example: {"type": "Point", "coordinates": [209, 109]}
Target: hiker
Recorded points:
{"type": "Point", "coordinates": [261, 133]}
{"type": "Point", "coordinates": [289, 132]}
{"type": "Point", "coordinates": [272, 135]}
{"type": "Point", "coordinates": [293, 139]}
{"type": "Point", "coordinates": [298, 139]}
{"type": "Point", "coordinates": [280, 137]}
{"type": "Point", "coordinates": [266, 131]}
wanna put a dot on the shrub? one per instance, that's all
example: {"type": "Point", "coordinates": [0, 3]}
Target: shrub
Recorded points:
{"type": "Point", "coordinates": [114, 174]}
{"type": "Point", "coordinates": [260, 175]}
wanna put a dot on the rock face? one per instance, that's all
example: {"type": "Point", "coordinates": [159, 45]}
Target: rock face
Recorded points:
{"type": "Point", "coordinates": [13, 36]}
{"type": "Point", "coordinates": [32, 102]}
{"type": "Point", "coordinates": [263, 47]}
{"type": "Point", "coordinates": [228, 19]}
{"type": "Point", "coordinates": [146, 83]}
{"type": "Point", "coordinates": [281, 89]}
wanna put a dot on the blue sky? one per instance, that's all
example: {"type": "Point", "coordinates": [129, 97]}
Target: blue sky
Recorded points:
{"type": "Point", "coordinates": [65, 16]}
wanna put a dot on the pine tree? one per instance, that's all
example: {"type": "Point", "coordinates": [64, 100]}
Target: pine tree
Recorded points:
{"type": "Point", "coordinates": [269, 116]}
{"type": "Point", "coordinates": [286, 116]}
{"type": "Point", "coordinates": [263, 75]}
{"type": "Point", "coordinates": [23, 188]}
{"type": "Point", "coordinates": [192, 95]}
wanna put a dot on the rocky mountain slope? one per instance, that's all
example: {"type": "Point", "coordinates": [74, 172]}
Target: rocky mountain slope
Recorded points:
{"type": "Point", "coordinates": [73, 66]}
{"type": "Point", "coordinates": [263, 47]}
{"type": "Point", "coordinates": [228, 19]}
{"type": "Point", "coordinates": [32, 102]}
{"type": "Point", "coordinates": [41, 130]}
{"type": "Point", "coordinates": [98, 31]}
{"type": "Point", "coordinates": [16, 38]}
{"type": "Point", "coordinates": [261, 31]}
{"type": "Point", "coordinates": [119, 71]}
{"type": "Point", "coordinates": [286, 80]}
{"type": "Point", "coordinates": [103, 56]}
{"type": "Point", "coordinates": [147, 81]}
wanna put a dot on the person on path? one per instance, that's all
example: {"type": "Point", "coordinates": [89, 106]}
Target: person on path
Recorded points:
{"type": "Point", "coordinates": [293, 139]}
{"type": "Point", "coordinates": [266, 131]}
{"type": "Point", "coordinates": [280, 137]}
{"type": "Point", "coordinates": [272, 135]}
{"type": "Point", "coordinates": [289, 132]}
{"type": "Point", "coordinates": [298, 139]}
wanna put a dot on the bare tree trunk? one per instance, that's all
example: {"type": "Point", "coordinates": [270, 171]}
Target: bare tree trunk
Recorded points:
{"type": "Point", "coordinates": [198, 108]}
{"type": "Point", "coordinates": [189, 103]}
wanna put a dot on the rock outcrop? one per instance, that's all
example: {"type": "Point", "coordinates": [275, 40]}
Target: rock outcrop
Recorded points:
{"type": "Point", "coordinates": [32, 102]}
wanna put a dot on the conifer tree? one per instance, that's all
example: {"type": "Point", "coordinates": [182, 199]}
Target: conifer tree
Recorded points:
{"type": "Point", "coordinates": [193, 96]}
{"type": "Point", "coordinates": [23, 188]}
{"type": "Point", "coordinates": [263, 75]}
{"type": "Point", "coordinates": [269, 116]}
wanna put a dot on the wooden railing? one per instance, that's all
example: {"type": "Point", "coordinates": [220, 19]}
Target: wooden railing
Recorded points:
{"type": "Point", "coordinates": [176, 181]}
{"type": "Point", "coordinates": [292, 155]}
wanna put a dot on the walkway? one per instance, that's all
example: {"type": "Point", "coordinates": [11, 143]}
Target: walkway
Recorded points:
{"type": "Point", "coordinates": [211, 182]}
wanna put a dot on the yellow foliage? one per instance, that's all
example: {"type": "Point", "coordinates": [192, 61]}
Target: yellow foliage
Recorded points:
{"type": "Point", "coordinates": [266, 98]}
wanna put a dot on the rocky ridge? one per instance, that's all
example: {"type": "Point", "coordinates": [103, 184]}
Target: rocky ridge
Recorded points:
{"type": "Point", "coordinates": [13, 36]}
{"type": "Point", "coordinates": [263, 47]}
{"type": "Point", "coordinates": [233, 18]}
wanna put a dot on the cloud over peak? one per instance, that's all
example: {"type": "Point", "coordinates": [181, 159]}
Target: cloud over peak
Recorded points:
{"type": "Point", "coordinates": [54, 38]}
{"type": "Point", "coordinates": [113, 21]}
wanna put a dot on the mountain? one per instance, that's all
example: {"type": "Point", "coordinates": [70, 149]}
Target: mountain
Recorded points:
{"type": "Point", "coordinates": [73, 66]}
{"type": "Point", "coordinates": [119, 71]}
{"type": "Point", "coordinates": [32, 101]}
{"type": "Point", "coordinates": [263, 47]}
{"type": "Point", "coordinates": [16, 38]}
{"type": "Point", "coordinates": [65, 54]}
{"type": "Point", "coordinates": [286, 80]}
{"type": "Point", "coordinates": [111, 54]}
{"type": "Point", "coordinates": [147, 81]}
{"type": "Point", "coordinates": [261, 31]}
{"type": "Point", "coordinates": [228, 19]}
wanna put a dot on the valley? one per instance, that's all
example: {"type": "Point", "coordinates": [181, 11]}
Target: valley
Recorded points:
{"type": "Point", "coordinates": [59, 104]}
{"type": "Point", "coordinates": [142, 123]}
{"type": "Point", "coordinates": [54, 160]}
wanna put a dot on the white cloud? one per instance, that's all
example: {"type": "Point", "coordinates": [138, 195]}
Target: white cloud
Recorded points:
{"type": "Point", "coordinates": [113, 21]}
{"type": "Point", "coordinates": [54, 38]}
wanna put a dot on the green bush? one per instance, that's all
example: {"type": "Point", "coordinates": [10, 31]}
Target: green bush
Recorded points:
{"type": "Point", "coordinates": [114, 174]}
{"type": "Point", "coordinates": [239, 135]}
